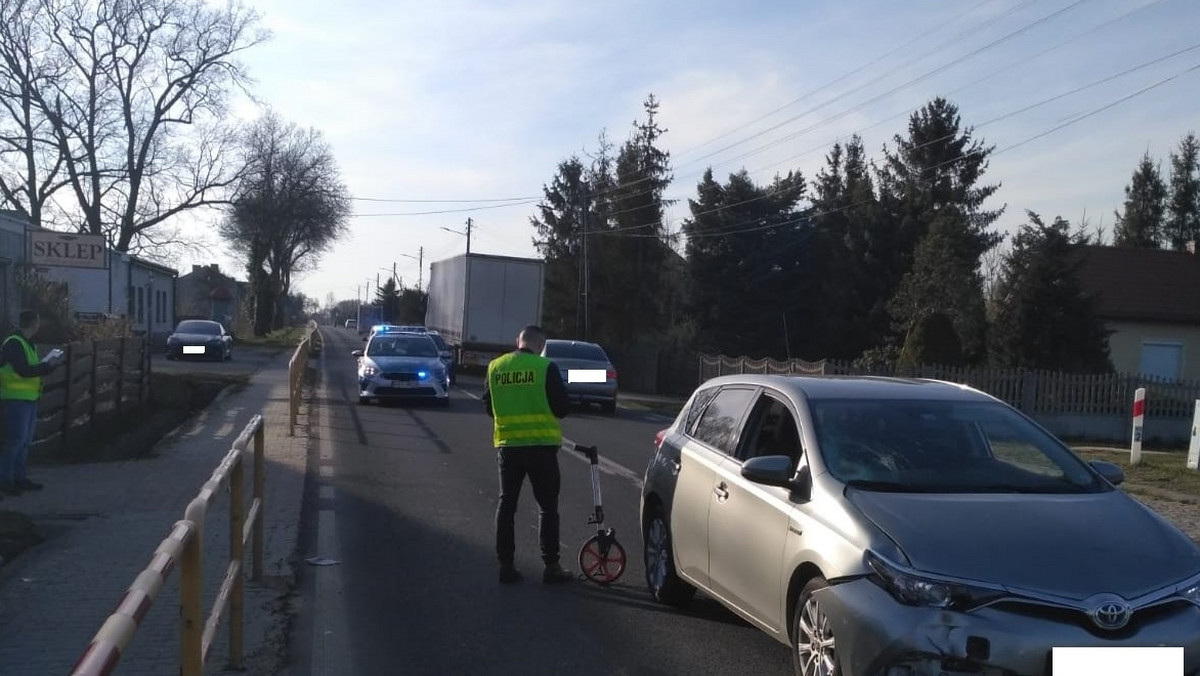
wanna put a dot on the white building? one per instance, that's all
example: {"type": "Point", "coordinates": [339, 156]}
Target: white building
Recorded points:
{"type": "Point", "coordinates": [116, 284]}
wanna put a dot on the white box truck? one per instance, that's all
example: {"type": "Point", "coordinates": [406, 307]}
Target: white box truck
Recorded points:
{"type": "Point", "coordinates": [479, 303]}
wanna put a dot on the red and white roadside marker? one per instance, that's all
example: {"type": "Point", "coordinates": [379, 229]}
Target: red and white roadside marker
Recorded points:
{"type": "Point", "coordinates": [1139, 417]}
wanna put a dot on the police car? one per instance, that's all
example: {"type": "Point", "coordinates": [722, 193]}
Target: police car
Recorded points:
{"type": "Point", "coordinates": [398, 365]}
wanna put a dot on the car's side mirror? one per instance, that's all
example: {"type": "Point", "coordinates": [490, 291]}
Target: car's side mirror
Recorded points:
{"type": "Point", "coordinates": [357, 354]}
{"type": "Point", "coordinates": [779, 470]}
{"type": "Point", "coordinates": [1110, 471]}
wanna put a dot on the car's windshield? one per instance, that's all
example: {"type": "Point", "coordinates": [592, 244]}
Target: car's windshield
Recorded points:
{"type": "Point", "coordinates": [401, 346]}
{"type": "Point", "coordinates": [575, 351]}
{"type": "Point", "coordinates": [437, 339]}
{"type": "Point", "coordinates": [205, 328]}
{"type": "Point", "coordinates": [944, 447]}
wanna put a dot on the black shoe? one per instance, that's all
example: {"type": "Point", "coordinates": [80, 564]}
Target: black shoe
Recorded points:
{"type": "Point", "coordinates": [555, 574]}
{"type": "Point", "coordinates": [27, 485]}
{"type": "Point", "coordinates": [509, 574]}
{"type": "Point", "coordinates": [10, 489]}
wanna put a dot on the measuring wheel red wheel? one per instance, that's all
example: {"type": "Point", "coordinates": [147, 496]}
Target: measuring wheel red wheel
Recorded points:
{"type": "Point", "coordinates": [602, 558]}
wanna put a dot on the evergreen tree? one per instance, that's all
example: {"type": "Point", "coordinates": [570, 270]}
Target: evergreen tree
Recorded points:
{"type": "Point", "coordinates": [642, 172]}
{"type": "Point", "coordinates": [1141, 225]}
{"type": "Point", "coordinates": [945, 278]}
{"type": "Point", "coordinates": [1041, 318]}
{"type": "Point", "coordinates": [387, 297]}
{"type": "Point", "coordinates": [932, 340]}
{"type": "Point", "coordinates": [747, 271]}
{"type": "Point", "coordinates": [411, 306]}
{"type": "Point", "coordinates": [931, 181]}
{"type": "Point", "coordinates": [854, 245]}
{"type": "Point", "coordinates": [1183, 201]}
{"type": "Point", "coordinates": [558, 238]}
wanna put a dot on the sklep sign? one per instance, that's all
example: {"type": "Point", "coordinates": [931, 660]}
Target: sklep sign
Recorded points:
{"type": "Point", "coordinates": [65, 249]}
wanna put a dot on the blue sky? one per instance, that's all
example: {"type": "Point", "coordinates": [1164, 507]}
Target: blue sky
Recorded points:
{"type": "Point", "coordinates": [480, 99]}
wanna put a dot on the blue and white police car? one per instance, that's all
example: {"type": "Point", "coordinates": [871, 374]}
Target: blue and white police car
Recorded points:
{"type": "Point", "coordinates": [401, 366]}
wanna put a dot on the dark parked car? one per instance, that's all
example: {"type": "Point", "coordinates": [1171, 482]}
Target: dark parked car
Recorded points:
{"type": "Point", "coordinates": [589, 374]}
{"type": "Point", "coordinates": [200, 338]}
{"type": "Point", "coordinates": [906, 527]}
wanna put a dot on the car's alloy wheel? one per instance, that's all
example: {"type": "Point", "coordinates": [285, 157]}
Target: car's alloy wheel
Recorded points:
{"type": "Point", "coordinates": [665, 586]}
{"type": "Point", "coordinates": [812, 635]}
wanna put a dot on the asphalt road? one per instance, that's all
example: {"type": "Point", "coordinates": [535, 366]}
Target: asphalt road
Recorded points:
{"type": "Point", "coordinates": [404, 497]}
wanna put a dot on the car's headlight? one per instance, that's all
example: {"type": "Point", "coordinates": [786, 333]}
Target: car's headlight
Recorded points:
{"type": "Point", "coordinates": [1190, 591]}
{"type": "Point", "coordinates": [367, 370]}
{"type": "Point", "coordinates": [915, 590]}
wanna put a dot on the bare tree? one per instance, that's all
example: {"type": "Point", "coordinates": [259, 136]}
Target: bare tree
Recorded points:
{"type": "Point", "coordinates": [290, 207]}
{"type": "Point", "coordinates": [133, 96]}
{"type": "Point", "coordinates": [30, 166]}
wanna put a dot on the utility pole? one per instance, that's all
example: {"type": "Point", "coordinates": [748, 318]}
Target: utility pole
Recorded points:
{"type": "Point", "coordinates": [420, 268]}
{"type": "Point", "coordinates": [469, 224]}
{"type": "Point", "coordinates": [394, 278]}
{"type": "Point", "coordinates": [586, 274]}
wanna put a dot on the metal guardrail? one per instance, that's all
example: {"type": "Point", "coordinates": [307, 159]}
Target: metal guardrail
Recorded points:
{"type": "Point", "coordinates": [184, 547]}
{"type": "Point", "coordinates": [297, 367]}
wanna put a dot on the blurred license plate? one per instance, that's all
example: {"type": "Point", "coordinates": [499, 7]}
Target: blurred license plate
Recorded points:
{"type": "Point", "coordinates": [404, 383]}
{"type": "Point", "coordinates": [193, 349]}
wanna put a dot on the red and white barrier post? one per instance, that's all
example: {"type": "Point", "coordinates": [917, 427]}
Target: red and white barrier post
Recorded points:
{"type": "Point", "coordinates": [1194, 448]}
{"type": "Point", "coordinates": [1139, 417]}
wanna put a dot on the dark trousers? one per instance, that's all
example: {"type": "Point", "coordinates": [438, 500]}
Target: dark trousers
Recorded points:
{"type": "Point", "coordinates": [540, 464]}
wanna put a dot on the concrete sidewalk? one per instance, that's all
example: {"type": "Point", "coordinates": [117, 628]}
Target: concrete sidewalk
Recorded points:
{"type": "Point", "coordinates": [103, 522]}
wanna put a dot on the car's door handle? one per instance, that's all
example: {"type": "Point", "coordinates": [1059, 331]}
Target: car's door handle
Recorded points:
{"type": "Point", "coordinates": [721, 491]}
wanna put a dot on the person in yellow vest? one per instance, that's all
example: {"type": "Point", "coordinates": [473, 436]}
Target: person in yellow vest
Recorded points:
{"type": "Point", "coordinates": [525, 396]}
{"type": "Point", "coordinates": [20, 388]}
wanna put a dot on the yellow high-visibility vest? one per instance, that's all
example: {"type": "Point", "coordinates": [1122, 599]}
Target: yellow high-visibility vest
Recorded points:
{"type": "Point", "coordinates": [522, 416]}
{"type": "Point", "coordinates": [12, 385]}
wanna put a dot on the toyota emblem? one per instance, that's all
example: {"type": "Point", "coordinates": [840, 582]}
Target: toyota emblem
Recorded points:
{"type": "Point", "coordinates": [1110, 613]}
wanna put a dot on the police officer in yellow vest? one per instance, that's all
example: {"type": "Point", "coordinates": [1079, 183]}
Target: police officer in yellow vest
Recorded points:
{"type": "Point", "coordinates": [525, 396]}
{"type": "Point", "coordinates": [20, 388]}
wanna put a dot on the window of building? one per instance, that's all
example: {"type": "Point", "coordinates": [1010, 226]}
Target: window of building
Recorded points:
{"type": "Point", "coordinates": [141, 304]}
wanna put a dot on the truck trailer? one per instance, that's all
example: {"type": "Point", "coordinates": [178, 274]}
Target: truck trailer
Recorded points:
{"type": "Point", "coordinates": [480, 302]}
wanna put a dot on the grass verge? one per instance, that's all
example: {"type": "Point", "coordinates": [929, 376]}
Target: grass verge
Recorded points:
{"type": "Point", "coordinates": [1165, 471]}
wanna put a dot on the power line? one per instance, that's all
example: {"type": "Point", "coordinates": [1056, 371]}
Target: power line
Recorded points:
{"type": "Point", "coordinates": [428, 201]}
{"type": "Point", "coordinates": [868, 83]}
{"type": "Point", "coordinates": [840, 79]}
{"type": "Point", "coordinates": [802, 217]}
{"type": "Point", "coordinates": [834, 118]}
{"type": "Point", "coordinates": [911, 82]}
{"type": "Point", "coordinates": [448, 211]}
{"type": "Point", "coordinates": [999, 118]}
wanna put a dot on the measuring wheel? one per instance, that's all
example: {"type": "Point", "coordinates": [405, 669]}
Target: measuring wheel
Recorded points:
{"type": "Point", "coordinates": [601, 559]}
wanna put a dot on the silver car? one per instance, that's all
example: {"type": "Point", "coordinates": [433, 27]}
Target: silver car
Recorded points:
{"type": "Point", "coordinates": [402, 366]}
{"type": "Point", "coordinates": [891, 527]}
{"type": "Point", "coordinates": [595, 377]}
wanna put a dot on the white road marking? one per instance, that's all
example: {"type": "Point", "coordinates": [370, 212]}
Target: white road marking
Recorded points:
{"type": "Point", "coordinates": [330, 632]}
{"type": "Point", "coordinates": [472, 395]}
{"type": "Point", "coordinates": [605, 465]}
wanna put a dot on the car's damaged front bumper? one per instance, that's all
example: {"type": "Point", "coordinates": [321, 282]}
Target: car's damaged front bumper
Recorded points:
{"type": "Point", "coordinates": [878, 636]}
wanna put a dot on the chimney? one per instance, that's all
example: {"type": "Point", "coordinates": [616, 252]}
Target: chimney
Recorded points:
{"type": "Point", "coordinates": [196, 268]}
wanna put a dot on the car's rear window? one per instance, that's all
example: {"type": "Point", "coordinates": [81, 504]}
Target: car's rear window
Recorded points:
{"type": "Point", "coordinates": [575, 351]}
{"type": "Point", "coordinates": [200, 327]}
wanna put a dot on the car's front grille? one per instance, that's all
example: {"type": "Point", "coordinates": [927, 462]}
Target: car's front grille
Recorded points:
{"type": "Point", "coordinates": [401, 377]}
{"type": "Point", "coordinates": [1080, 619]}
